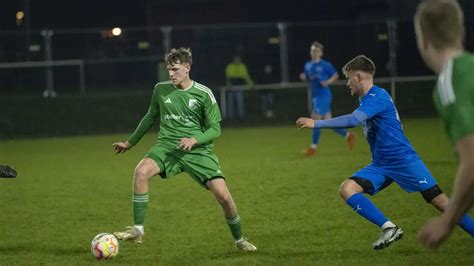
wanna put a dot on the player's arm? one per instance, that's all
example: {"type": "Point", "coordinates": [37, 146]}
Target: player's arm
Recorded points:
{"type": "Point", "coordinates": [246, 75]}
{"type": "Point", "coordinates": [211, 133]}
{"type": "Point", "coordinates": [332, 72]}
{"type": "Point", "coordinates": [331, 80]}
{"type": "Point", "coordinates": [343, 121]}
{"type": "Point", "coordinates": [463, 196]}
{"type": "Point", "coordinates": [460, 128]}
{"type": "Point", "coordinates": [212, 119]}
{"type": "Point", "coordinates": [145, 124]}
{"type": "Point", "coordinates": [227, 75]}
{"type": "Point", "coordinates": [438, 229]}
{"type": "Point", "coordinates": [304, 76]}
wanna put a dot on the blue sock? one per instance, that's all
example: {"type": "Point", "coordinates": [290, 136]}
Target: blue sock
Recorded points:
{"type": "Point", "coordinates": [316, 133]}
{"type": "Point", "coordinates": [364, 207]}
{"type": "Point", "coordinates": [467, 224]}
{"type": "Point", "coordinates": [340, 131]}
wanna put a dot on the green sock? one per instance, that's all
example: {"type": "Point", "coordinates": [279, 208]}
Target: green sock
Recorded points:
{"type": "Point", "coordinates": [140, 203]}
{"type": "Point", "coordinates": [235, 227]}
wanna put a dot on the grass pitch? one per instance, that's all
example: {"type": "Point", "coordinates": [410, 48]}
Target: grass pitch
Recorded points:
{"type": "Point", "coordinates": [70, 189]}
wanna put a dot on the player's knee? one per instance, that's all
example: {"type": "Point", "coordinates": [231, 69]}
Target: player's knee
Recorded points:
{"type": "Point", "coordinates": [435, 196]}
{"type": "Point", "coordinates": [140, 174]}
{"type": "Point", "coordinates": [344, 189]}
{"type": "Point", "coordinates": [224, 199]}
{"type": "Point", "coordinates": [348, 188]}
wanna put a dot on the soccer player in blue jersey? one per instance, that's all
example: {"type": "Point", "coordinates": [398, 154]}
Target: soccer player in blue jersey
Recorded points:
{"type": "Point", "coordinates": [393, 157]}
{"type": "Point", "coordinates": [320, 74]}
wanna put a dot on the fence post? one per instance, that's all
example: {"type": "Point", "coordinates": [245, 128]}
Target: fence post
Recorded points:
{"type": "Point", "coordinates": [82, 85]}
{"type": "Point", "coordinates": [283, 51]}
{"type": "Point", "coordinates": [48, 56]}
{"type": "Point", "coordinates": [166, 38]}
{"type": "Point", "coordinates": [392, 45]}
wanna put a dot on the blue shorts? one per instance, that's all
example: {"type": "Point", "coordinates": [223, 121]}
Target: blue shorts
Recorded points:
{"type": "Point", "coordinates": [322, 103]}
{"type": "Point", "coordinates": [412, 177]}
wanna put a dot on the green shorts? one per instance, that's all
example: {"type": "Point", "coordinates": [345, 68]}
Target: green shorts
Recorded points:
{"type": "Point", "coordinates": [202, 165]}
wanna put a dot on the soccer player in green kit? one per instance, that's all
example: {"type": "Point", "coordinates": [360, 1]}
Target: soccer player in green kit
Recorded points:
{"type": "Point", "coordinates": [189, 122]}
{"type": "Point", "coordinates": [439, 27]}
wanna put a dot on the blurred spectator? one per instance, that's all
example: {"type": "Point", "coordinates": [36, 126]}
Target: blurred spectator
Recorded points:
{"type": "Point", "coordinates": [236, 74]}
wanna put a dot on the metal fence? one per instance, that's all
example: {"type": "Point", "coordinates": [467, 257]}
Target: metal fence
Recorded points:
{"type": "Point", "coordinates": [94, 60]}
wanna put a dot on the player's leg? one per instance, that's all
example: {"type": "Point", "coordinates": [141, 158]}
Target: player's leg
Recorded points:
{"type": "Point", "coordinates": [204, 168]}
{"type": "Point", "coordinates": [415, 177]}
{"type": "Point", "coordinates": [316, 131]}
{"type": "Point", "coordinates": [370, 180]}
{"type": "Point", "coordinates": [220, 191]}
{"type": "Point", "coordinates": [351, 190]}
{"type": "Point", "coordinates": [440, 201]}
{"type": "Point", "coordinates": [145, 169]}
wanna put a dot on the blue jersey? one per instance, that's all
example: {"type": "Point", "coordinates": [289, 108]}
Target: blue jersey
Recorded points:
{"type": "Point", "coordinates": [316, 72]}
{"type": "Point", "coordinates": [383, 130]}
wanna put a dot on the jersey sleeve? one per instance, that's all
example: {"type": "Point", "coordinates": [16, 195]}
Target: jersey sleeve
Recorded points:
{"type": "Point", "coordinates": [306, 72]}
{"type": "Point", "coordinates": [372, 106]}
{"type": "Point", "coordinates": [212, 114]}
{"type": "Point", "coordinates": [148, 119]}
{"type": "Point", "coordinates": [212, 119]}
{"type": "Point", "coordinates": [458, 119]}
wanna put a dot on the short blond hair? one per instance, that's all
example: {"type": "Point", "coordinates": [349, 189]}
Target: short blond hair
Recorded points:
{"type": "Point", "coordinates": [441, 22]}
{"type": "Point", "coordinates": [361, 63]}
{"type": "Point", "coordinates": [318, 45]}
{"type": "Point", "coordinates": [179, 56]}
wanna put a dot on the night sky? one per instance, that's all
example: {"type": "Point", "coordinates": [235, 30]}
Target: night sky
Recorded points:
{"type": "Point", "coordinates": [57, 14]}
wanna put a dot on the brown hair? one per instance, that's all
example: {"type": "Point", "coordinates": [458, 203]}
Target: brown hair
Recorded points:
{"type": "Point", "coordinates": [360, 62]}
{"type": "Point", "coordinates": [179, 56]}
{"type": "Point", "coordinates": [318, 45]}
{"type": "Point", "coordinates": [441, 22]}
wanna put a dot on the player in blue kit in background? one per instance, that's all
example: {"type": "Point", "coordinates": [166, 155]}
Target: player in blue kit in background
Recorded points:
{"type": "Point", "coordinates": [320, 74]}
{"type": "Point", "coordinates": [393, 157]}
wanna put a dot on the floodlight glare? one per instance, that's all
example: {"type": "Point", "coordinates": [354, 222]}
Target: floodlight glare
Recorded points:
{"type": "Point", "coordinates": [116, 31]}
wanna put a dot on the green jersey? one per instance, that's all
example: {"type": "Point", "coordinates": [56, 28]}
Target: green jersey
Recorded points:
{"type": "Point", "coordinates": [183, 113]}
{"type": "Point", "coordinates": [454, 96]}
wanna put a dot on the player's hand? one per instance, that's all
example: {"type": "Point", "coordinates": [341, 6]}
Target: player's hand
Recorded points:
{"type": "Point", "coordinates": [434, 232]}
{"type": "Point", "coordinates": [187, 143]}
{"type": "Point", "coordinates": [302, 76]}
{"type": "Point", "coordinates": [304, 122]}
{"type": "Point", "coordinates": [324, 83]}
{"type": "Point", "coordinates": [121, 147]}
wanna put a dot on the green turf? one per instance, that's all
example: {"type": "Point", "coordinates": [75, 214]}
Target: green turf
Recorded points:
{"type": "Point", "coordinates": [70, 189]}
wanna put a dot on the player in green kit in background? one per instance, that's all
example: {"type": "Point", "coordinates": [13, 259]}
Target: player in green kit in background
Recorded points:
{"type": "Point", "coordinates": [189, 121]}
{"type": "Point", "coordinates": [439, 27]}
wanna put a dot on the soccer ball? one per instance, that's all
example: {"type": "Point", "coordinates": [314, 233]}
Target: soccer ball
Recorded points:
{"type": "Point", "coordinates": [105, 246]}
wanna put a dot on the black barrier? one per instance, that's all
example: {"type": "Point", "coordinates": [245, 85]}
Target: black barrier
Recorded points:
{"type": "Point", "coordinates": [120, 112]}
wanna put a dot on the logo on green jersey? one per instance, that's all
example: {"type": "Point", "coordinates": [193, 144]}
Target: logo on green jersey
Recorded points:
{"type": "Point", "coordinates": [192, 103]}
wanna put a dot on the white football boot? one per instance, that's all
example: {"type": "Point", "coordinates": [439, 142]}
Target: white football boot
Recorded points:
{"type": "Point", "coordinates": [131, 234]}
